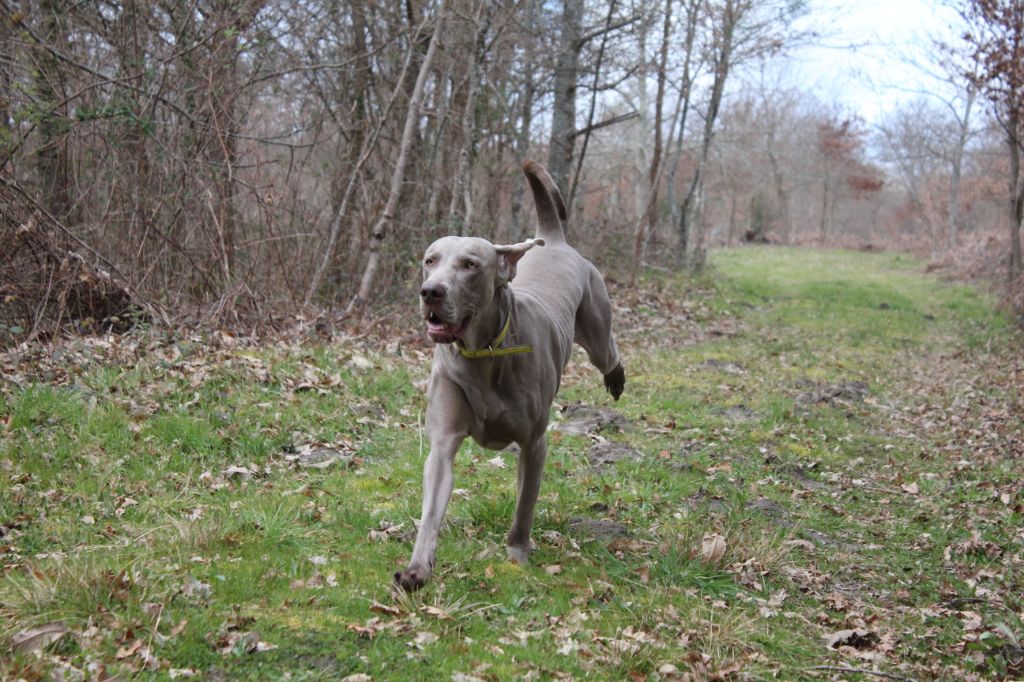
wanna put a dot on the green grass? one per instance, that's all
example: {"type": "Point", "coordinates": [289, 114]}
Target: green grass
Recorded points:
{"type": "Point", "coordinates": [846, 423]}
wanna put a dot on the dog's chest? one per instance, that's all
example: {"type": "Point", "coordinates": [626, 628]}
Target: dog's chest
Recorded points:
{"type": "Point", "coordinates": [505, 408]}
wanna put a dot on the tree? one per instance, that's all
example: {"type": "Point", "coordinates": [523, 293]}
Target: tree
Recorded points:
{"type": "Point", "coordinates": [738, 31]}
{"type": "Point", "coordinates": [563, 116]}
{"type": "Point", "coordinates": [995, 39]}
{"type": "Point", "coordinates": [841, 147]}
{"type": "Point", "coordinates": [387, 216]}
{"type": "Point", "coordinates": [926, 144]}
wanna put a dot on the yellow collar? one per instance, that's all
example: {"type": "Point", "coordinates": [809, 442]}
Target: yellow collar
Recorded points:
{"type": "Point", "coordinates": [492, 350]}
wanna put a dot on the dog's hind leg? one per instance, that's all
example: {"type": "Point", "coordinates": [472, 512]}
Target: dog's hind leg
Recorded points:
{"type": "Point", "coordinates": [594, 333]}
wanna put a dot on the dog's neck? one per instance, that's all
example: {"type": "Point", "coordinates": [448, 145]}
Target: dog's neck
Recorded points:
{"type": "Point", "coordinates": [487, 324]}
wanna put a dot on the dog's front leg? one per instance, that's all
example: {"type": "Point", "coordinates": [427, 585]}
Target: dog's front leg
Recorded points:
{"type": "Point", "coordinates": [447, 413]}
{"type": "Point", "coordinates": [531, 466]}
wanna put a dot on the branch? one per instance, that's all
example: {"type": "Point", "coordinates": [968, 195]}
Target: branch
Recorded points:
{"type": "Point", "coordinates": [605, 123]}
{"type": "Point", "coordinates": [608, 28]}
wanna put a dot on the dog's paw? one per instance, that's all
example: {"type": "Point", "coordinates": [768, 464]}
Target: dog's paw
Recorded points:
{"type": "Point", "coordinates": [615, 381]}
{"type": "Point", "coordinates": [518, 555]}
{"type": "Point", "coordinates": [412, 578]}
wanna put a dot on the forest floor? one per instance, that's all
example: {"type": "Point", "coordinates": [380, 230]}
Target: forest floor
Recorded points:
{"type": "Point", "coordinates": [816, 472]}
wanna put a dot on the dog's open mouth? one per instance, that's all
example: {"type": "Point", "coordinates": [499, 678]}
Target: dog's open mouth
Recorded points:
{"type": "Point", "coordinates": [445, 332]}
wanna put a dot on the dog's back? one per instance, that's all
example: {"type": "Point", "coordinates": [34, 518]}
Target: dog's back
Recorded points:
{"type": "Point", "coordinates": [559, 279]}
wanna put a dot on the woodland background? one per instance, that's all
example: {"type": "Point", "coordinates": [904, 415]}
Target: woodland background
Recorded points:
{"type": "Point", "coordinates": [259, 162]}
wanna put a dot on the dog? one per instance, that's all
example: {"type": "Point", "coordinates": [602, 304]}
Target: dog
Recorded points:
{"type": "Point", "coordinates": [503, 320]}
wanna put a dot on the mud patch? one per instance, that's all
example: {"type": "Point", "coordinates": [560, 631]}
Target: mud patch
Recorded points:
{"type": "Point", "coordinates": [319, 458]}
{"type": "Point", "coordinates": [703, 499]}
{"type": "Point", "coordinates": [603, 455]}
{"type": "Point", "coordinates": [771, 509]}
{"type": "Point", "coordinates": [721, 366]}
{"type": "Point", "coordinates": [598, 529]}
{"type": "Point", "coordinates": [740, 413]}
{"type": "Point", "coordinates": [799, 476]}
{"type": "Point", "coordinates": [582, 420]}
{"type": "Point", "coordinates": [844, 393]}
{"type": "Point", "coordinates": [820, 539]}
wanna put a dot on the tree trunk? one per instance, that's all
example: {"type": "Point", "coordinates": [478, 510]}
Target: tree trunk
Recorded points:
{"type": "Point", "coordinates": [342, 251]}
{"type": "Point", "coordinates": [692, 11]}
{"type": "Point", "coordinates": [369, 143]}
{"type": "Point", "coordinates": [563, 117]}
{"type": "Point", "coordinates": [570, 198]}
{"type": "Point", "coordinates": [1013, 141]}
{"type": "Point", "coordinates": [522, 142]}
{"type": "Point", "coordinates": [462, 192]}
{"type": "Point", "coordinates": [953, 212]}
{"type": "Point", "coordinates": [659, 107]}
{"type": "Point", "coordinates": [823, 225]}
{"type": "Point", "coordinates": [387, 217]}
{"type": "Point", "coordinates": [778, 181]}
{"type": "Point", "coordinates": [223, 93]}
{"type": "Point", "coordinates": [723, 63]}
{"type": "Point", "coordinates": [650, 214]}
{"type": "Point", "coordinates": [53, 161]}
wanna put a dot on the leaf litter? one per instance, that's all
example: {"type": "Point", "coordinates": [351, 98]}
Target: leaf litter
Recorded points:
{"type": "Point", "coordinates": [947, 407]}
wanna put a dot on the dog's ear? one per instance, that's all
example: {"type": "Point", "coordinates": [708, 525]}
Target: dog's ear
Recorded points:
{"type": "Point", "coordinates": [509, 255]}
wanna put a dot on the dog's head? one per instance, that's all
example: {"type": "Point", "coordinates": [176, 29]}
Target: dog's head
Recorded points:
{"type": "Point", "coordinates": [460, 278]}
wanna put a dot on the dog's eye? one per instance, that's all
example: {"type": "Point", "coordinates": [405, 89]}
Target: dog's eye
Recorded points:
{"type": "Point", "coordinates": [470, 265]}
{"type": "Point", "coordinates": [429, 261]}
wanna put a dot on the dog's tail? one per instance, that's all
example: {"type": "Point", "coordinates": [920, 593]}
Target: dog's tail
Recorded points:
{"type": "Point", "coordinates": [548, 200]}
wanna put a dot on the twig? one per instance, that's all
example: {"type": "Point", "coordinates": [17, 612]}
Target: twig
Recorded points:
{"type": "Point", "coordinates": [863, 671]}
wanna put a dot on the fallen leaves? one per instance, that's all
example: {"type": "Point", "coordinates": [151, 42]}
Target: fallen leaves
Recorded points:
{"type": "Point", "coordinates": [196, 590]}
{"type": "Point", "coordinates": [712, 548]}
{"type": "Point", "coordinates": [385, 531]}
{"type": "Point", "coordinates": [37, 638]}
{"type": "Point", "coordinates": [231, 640]}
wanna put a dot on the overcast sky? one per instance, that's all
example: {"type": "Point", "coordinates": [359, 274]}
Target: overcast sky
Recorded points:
{"type": "Point", "coordinates": [862, 61]}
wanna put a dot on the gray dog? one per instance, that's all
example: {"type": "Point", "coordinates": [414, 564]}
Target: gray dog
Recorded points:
{"type": "Point", "coordinates": [500, 352]}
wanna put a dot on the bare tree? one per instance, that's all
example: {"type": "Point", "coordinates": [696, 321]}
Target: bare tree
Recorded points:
{"type": "Point", "coordinates": [563, 117]}
{"type": "Point", "coordinates": [462, 192]}
{"type": "Point", "coordinates": [995, 37]}
{"type": "Point", "coordinates": [387, 216]}
{"type": "Point", "coordinates": [738, 30]}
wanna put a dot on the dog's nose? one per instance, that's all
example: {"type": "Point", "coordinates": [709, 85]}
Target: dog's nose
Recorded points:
{"type": "Point", "coordinates": [431, 293]}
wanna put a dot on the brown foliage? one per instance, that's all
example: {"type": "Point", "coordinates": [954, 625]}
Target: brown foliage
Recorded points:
{"type": "Point", "coordinates": [45, 286]}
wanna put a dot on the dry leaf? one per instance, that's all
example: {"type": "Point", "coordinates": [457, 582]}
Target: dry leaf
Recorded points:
{"type": "Point", "coordinates": [463, 677]}
{"type": "Point", "coordinates": [858, 638]}
{"type": "Point", "coordinates": [712, 547]}
{"type": "Point", "coordinates": [553, 569]}
{"type": "Point", "coordinates": [384, 608]}
{"type": "Point", "coordinates": [436, 612]}
{"type": "Point", "coordinates": [424, 639]}
{"type": "Point", "coordinates": [38, 638]}
{"type": "Point", "coordinates": [128, 650]}
{"type": "Point", "coordinates": [240, 472]}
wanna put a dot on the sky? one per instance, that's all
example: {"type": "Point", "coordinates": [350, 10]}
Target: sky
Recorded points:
{"type": "Point", "coordinates": [864, 60]}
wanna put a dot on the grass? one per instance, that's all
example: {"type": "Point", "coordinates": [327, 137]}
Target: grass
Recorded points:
{"type": "Point", "coordinates": [849, 426]}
